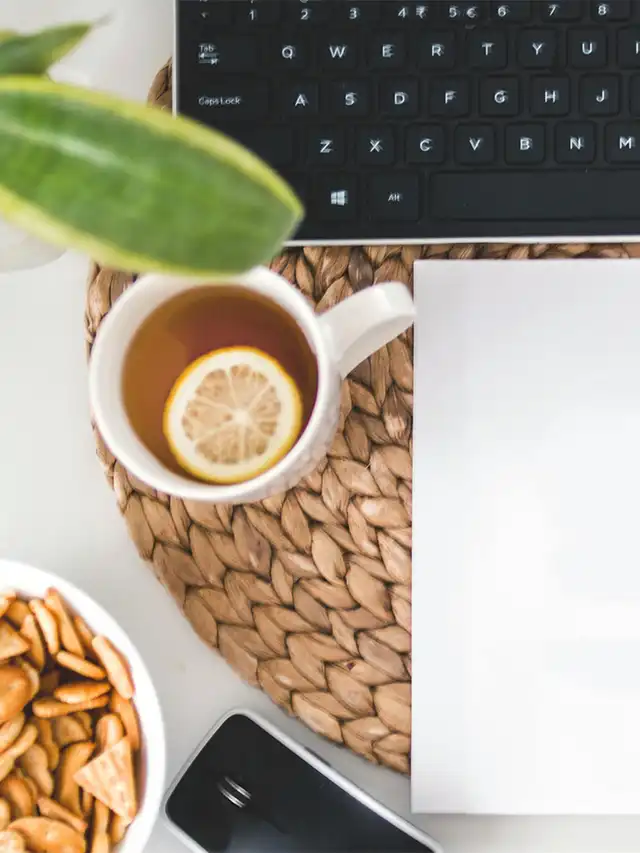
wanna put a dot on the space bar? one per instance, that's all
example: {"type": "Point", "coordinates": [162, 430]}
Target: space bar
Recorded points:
{"type": "Point", "coordinates": [549, 195]}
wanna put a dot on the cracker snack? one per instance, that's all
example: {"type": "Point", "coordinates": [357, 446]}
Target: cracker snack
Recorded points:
{"type": "Point", "coordinates": [69, 732]}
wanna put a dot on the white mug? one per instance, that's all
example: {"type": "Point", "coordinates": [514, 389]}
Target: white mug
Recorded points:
{"type": "Point", "coordinates": [340, 339]}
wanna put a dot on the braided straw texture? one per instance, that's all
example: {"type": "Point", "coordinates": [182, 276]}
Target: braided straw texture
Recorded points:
{"type": "Point", "coordinates": [308, 594]}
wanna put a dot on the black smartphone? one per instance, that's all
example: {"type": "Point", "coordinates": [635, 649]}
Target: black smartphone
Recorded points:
{"type": "Point", "coordinates": [249, 788]}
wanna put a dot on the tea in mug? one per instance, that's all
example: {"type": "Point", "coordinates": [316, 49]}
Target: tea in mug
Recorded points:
{"type": "Point", "coordinates": [219, 383]}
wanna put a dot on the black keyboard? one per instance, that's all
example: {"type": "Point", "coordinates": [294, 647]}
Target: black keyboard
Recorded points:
{"type": "Point", "coordinates": [413, 121]}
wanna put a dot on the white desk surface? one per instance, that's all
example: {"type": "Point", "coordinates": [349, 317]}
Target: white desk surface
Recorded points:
{"type": "Point", "coordinates": [56, 510]}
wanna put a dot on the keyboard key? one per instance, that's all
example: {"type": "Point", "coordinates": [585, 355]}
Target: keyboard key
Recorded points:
{"type": "Point", "coordinates": [629, 47]}
{"type": "Point", "coordinates": [437, 50]}
{"type": "Point", "coordinates": [537, 48]}
{"type": "Point", "coordinates": [524, 144]}
{"type": "Point", "coordinates": [600, 96]}
{"type": "Point", "coordinates": [425, 144]}
{"type": "Point", "coordinates": [562, 10]}
{"type": "Point", "coordinates": [335, 197]}
{"type": "Point", "coordinates": [622, 144]}
{"type": "Point", "coordinates": [612, 10]}
{"type": "Point", "coordinates": [449, 96]}
{"type": "Point", "coordinates": [211, 14]}
{"type": "Point", "coordinates": [395, 197]}
{"type": "Point", "coordinates": [487, 49]}
{"type": "Point", "coordinates": [364, 13]}
{"type": "Point", "coordinates": [474, 144]}
{"type": "Point", "coordinates": [535, 195]}
{"type": "Point", "coordinates": [351, 98]}
{"type": "Point", "coordinates": [273, 144]}
{"type": "Point", "coordinates": [387, 51]}
{"type": "Point", "coordinates": [326, 146]}
{"type": "Point", "coordinates": [307, 11]}
{"type": "Point", "coordinates": [399, 97]}
{"type": "Point", "coordinates": [575, 142]}
{"type": "Point", "coordinates": [512, 11]}
{"type": "Point", "coordinates": [588, 48]}
{"type": "Point", "coordinates": [229, 54]}
{"type": "Point", "coordinates": [499, 96]}
{"type": "Point", "coordinates": [375, 146]}
{"type": "Point", "coordinates": [550, 96]}
{"type": "Point", "coordinates": [301, 99]}
{"type": "Point", "coordinates": [257, 12]}
{"type": "Point", "coordinates": [467, 13]}
{"type": "Point", "coordinates": [634, 95]}
{"type": "Point", "coordinates": [235, 101]}
{"type": "Point", "coordinates": [407, 13]}
{"type": "Point", "coordinates": [289, 54]}
{"type": "Point", "coordinates": [339, 53]}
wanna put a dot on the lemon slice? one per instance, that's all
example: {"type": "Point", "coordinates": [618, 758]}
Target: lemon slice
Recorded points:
{"type": "Point", "coordinates": [232, 414]}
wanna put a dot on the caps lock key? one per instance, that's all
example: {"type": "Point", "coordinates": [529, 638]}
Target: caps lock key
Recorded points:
{"type": "Point", "coordinates": [236, 101]}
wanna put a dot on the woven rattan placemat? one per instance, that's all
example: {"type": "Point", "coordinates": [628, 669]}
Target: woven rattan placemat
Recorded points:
{"type": "Point", "coordinates": [308, 594]}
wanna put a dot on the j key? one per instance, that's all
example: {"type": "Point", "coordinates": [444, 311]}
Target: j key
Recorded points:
{"type": "Point", "coordinates": [511, 11]}
{"type": "Point", "coordinates": [629, 47]}
{"type": "Point", "coordinates": [301, 99]}
{"type": "Point", "coordinates": [449, 97]}
{"type": "Point", "coordinates": [588, 48]}
{"type": "Point", "coordinates": [468, 13]}
{"type": "Point", "coordinates": [437, 50]}
{"type": "Point", "coordinates": [387, 51]}
{"type": "Point", "coordinates": [339, 53]}
{"type": "Point", "coordinates": [257, 12]}
{"type": "Point", "coordinates": [395, 197]}
{"type": "Point", "coordinates": [600, 96]}
{"type": "Point", "coordinates": [290, 54]}
{"type": "Point", "coordinates": [307, 11]}
{"type": "Point", "coordinates": [366, 12]}
{"type": "Point", "coordinates": [575, 142]}
{"type": "Point", "coordinates": [375, 146]}
{"type": "Point", "coordinates": [229, 53]}
{"type": "Point", "coordinates": [351, 98]}
{"type": "Point", "coordinates": [408, 13]}
{"type": "Point", "coordinates": [474, 144]}
{"type": "Point", "coordinates": [562, 10]}
{"type": "Point", "coordinates": [634, 95]}
{"type": "Point", "coordinates": [487, 49]}
{"type": "Point", "coordinates": [524, 144]}
{"type": "Point", "coordinates": [399, 97]}
{"type": "Point", "coordinates": [524, 195]}
{"type": "Point", "coordinates": [612, 10]}
{"type": "Point", "coordinates": [273, 144]}
{"type": "Point", "coordinates": [335, 197]}
{"type": "Point", "coordinates": [326, 146]}
{"type": "Point", "coordinates": [499, 96]}
{"type": "Point", "coordinates": [622, 144]}
{"type": "Point", "coordinates": [425, 144]}
{"type": "Point", "coordinates": [537, 48]}
{"type": "Point", "coordinates": [550, 96]}
{"type": "Point", "coordinates": [234, 101]}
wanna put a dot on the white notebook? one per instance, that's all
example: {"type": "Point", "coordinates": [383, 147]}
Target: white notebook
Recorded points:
{"type": "Point", "coordinates": [526, 552]}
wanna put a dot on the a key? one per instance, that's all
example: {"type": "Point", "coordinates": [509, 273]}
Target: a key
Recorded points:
{"type": "Point", "coordinates": [622, 144]}
{"type": "Point", "coordinates": [511, 11]}
{"type": "Point", "coordinates": [335, 197]}
{"type": "Point", "coordinates": [395, 197]}
{"type": "Point", "coordinates": [232, 101]}
{"type": "Point", "coordinates": [537, 48]}
{"type": "Point", "coordinates": [629, 47]}
{"type": "Point", "coordinates": [499, 96]}
{"type": "Point", "coordinates": [588, 48]}
{"type": "Point", "coordinates": [437, 50]}
{"type": "Point", "coordinates": [561, 10]}
{"type": "Point", "coordinates": [524, 144]}
{"type": "Point", "coordinates": [375, 146]}
{"type": "Point", "coordinates": [301, 100]}
{"type": "Point", "coordinates": [399, 97]}
{"type": "Point", "coordinates": [387, 51]}
{"type": "Point", "coordinates": [487, 49]}
{"type": "Point", "coordinates": [612, 10]}
{"type": "Point", "coordinates": [290, 54]}
{"type": "Point", "coordinates": [575, 142]}
{"type": "Point", "coordinates": [425, 143]}
{"type": "Point", "coordinates": [550, 96]}
{"type": "Point", "coordinates": [229, 54]}
{"type": "Point", "coordinates": [474, 144]}
{"type": "Point", "coordinates": [339, 53]}
{"type": "Point", "coordinates": [351, 98]}
{"type": "Point", "coordinates": [326, 146]}
{"type": "Point", "coordinates": [600, 96]}
{"type": "Point", "coordinates": [449, 97]}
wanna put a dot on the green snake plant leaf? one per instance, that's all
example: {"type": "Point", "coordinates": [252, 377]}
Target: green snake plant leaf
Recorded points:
{"type": "Point", "coordinates": [36, 53]}
{"type": "Point", "coordinates": [134, 187]}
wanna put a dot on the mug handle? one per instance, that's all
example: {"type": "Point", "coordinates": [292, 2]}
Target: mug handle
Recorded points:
{"type": "Point", "coordinates": [366, 321]}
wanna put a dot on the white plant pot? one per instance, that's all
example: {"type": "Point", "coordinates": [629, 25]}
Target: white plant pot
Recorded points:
{"type": "Point", "coordinates": [20, 251]}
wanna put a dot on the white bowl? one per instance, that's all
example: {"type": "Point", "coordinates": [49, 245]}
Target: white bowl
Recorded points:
{"type": "Point", "coordinates": [31, 582]}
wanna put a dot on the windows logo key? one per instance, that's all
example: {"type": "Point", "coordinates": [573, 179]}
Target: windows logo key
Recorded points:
{"type": "Point", "coordinates": [340, 198]}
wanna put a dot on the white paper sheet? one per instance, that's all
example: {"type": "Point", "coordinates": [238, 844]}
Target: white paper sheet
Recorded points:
{"type": "Point", "coordinates": [526, 554]}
